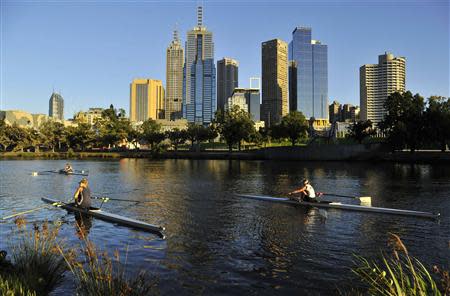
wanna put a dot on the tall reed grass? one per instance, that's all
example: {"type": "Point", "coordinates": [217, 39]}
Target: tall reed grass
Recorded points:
{"type": "Point", "coordinates": [400, 274]}
{"type": "Point", "coordinates": [97, 273]}
{"type": "Point", "coordinates": [36, 266]}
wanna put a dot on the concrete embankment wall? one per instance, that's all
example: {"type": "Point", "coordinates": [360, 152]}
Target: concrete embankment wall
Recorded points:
{"type": "Point", "coordinates": [372, 152]}
{"type": "Point", "coordinates": [312, 152]}
{"type": "Point", "coordinates": [322, 152]}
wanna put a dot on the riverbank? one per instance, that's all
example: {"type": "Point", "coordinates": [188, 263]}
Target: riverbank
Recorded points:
{"type": "Point", "coordinates": [355, 152]}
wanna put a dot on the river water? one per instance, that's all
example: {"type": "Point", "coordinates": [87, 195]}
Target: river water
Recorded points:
{"type": "Point", "coordinates": [219, 243]}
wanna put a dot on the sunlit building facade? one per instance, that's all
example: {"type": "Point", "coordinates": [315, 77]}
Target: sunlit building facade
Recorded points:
{"type": "Point", "coordinates": [274, 81]}
{"type": "Point", "coordinates": [174, 79]}
{"type": "Point", "coordinates": [146, 99]}
{"type": "Point", "coordinates": [377, 82]}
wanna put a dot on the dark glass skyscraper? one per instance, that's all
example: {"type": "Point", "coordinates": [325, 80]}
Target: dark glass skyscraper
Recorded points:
{"type": "Point", "coordinates": [312, 73]}
{"type": "Point", "coordinates": [227, 80]}
{"type": "Point", "coordinates": [56, 106]}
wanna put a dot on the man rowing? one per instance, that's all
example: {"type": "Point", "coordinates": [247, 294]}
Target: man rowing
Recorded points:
{"type": "Point", "coordinates": [83, 195]}
{"type": "Point", "coordinates": [68, 169]}
{"type": "Point", "coordinates": [307, 192]}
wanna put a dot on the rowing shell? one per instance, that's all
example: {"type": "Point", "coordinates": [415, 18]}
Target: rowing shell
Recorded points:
{"type": "Point", "coordinates": [109, 217]}
{"type": "Point", "coordinates": [338, 205]}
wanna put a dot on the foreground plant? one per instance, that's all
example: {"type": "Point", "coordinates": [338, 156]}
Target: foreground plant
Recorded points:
{"type": "Point", "coordinates": [12, 285]}
{"type": "Point", "coordinates": [99, 274]}
{"type": "Point", "coordinates": [36, 267]}
{"type": "Point", "coordinates": [399, 274]}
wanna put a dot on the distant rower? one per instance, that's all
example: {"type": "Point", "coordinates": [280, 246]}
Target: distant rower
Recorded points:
{"type": "Point", "coordinates": [83, 195]}
{"type": "Point", "coordinates": [307, 192]}
{"type": "Point", "coordinates": [68, 168]}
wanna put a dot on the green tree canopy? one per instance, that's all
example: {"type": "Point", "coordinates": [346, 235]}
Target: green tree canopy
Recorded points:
{"type": "Point", "coordinates": [197, 133]}
{"type": "Point", "coordinates": [177, 137]}
{"type": "Point", "coordinates": [404, 122]}
{"type": "Point", "coordinates": [53, 133]}
{"type": "Point", "coordinates": [151, 133]}
{"type": "Point", "coordinates": [234, 125]}
{"type": "Point", "coordinates": [360, 130]}
{"type": "Point", "coordinates": [292, 126]}
{"type": "Point", "coordinates": [112, 128]}
{"type": "Point", "coordinates": [81, 136]}
{"type": "Point", "coordinates": [437, 117]}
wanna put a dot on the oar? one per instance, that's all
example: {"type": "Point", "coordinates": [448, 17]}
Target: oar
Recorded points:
{"type": "Point", "coordinates": [105, 199]}
{"type": "Point", "coordinates": [32, 210]}
{"type": "Point", "coordinates": [363, 199]}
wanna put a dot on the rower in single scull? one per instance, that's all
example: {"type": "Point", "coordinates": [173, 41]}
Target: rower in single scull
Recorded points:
{"type": "Point", "coordinates": [307, 192]}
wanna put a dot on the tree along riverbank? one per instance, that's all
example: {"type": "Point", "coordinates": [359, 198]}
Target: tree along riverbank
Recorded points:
{"type": "Point", "coordinates": [355, 152]}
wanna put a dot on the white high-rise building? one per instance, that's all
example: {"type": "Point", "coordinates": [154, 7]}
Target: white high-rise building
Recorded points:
{"type": "Point", "coordinates": [377, 82]}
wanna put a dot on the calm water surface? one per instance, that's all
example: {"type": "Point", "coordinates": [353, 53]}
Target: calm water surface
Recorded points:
{"type": "Point", "coordinates": [218, 243]}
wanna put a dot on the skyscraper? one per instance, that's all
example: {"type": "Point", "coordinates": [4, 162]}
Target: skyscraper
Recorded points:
{"type": "Point", "coordinates": [377, 82]}
{"type": "Point", "coordinates": [274, 81]}
{"type": "Point", "coordinates": [146, 99]}
{"type": "Point", "coordinates": [292, 86]}
{"type": "Point", "coordinates": [227, 80]}
{"type": "Point", "coordinates": [312, 73]}
{"type": "Point", "coordinates": [174, 79]}
{"type": "Point", "coordinates": [56, 106]}
{"type": "Point", "coordinates": [199, 83]}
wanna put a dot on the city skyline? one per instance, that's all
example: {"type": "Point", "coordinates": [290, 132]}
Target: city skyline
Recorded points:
{"type": "Point", "coordinates": [430, 77]}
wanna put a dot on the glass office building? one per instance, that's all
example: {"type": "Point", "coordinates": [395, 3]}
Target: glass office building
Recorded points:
{"type": "Point", "coordinates": [311, 58]}
{"type": "Point", "coordinates": [199, 82]}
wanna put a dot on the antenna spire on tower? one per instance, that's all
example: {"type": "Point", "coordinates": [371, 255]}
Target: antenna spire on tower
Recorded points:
{"type": "Point", "coordinates": [199, 16]}
{"type": "Point", "coordinates": [175, 33]}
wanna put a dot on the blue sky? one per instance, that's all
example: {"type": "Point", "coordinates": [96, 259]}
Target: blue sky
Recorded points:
{"type": "Point", "coordinates": [91, 50]}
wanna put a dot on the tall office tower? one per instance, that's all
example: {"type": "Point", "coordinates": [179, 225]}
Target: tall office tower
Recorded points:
{"type": "Point", "coordinates": [146, 99]}
{"type": "Point", "coordinates": [292, 86]}
{"type": "Point", "coordinates": [199, 82]}
{"type": "Point", "coordinates": [227, 80]}
{"type": "Point", "coordinates": [377, 82]}
{"type": "Point", "coordinates": [274, 81]}
{"type": "Point", "coordinates": [56, 106]}
{"type": "Point", "coordinates": [312, 73]}
{"type": "Point", "coordinates": [335, 111]}
{"type": "Point", "coordinates": [251, 97]}
{"type": "Point", "coordinates": [174, 79]}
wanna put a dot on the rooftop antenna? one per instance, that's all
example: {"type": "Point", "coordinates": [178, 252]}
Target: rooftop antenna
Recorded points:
{"type": "Point", "coordinates": [200, 16]}
{"type": "Point", "coordinates": [175, 33]}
